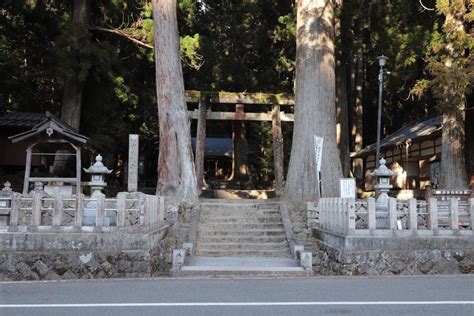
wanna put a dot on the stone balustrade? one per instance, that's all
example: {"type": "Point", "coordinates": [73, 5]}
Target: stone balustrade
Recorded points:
{"type": "Point", "coordinates": [351, 217]}
{"type": "Point", "coordinates": [39, 212]}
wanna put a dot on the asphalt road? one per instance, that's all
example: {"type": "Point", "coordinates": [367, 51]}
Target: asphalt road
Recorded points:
{"type": "Point", "coordinates": [430, 295]}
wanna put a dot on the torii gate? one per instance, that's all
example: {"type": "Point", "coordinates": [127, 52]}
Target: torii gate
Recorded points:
{"type": "Point", "coordinates": [204, 99]}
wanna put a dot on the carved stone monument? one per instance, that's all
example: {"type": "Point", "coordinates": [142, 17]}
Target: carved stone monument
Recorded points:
{"type": "Point", "coordinates": [132, 163]}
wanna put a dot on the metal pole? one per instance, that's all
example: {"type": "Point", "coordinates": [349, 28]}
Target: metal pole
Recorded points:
{"type": "Point", "coordinates": [379, 118]}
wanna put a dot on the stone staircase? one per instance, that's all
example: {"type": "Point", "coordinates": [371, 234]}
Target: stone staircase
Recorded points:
{"type": "Point", "coordinates": [241, 238]}
{"type": "Point", "coordinates": [239, 229]}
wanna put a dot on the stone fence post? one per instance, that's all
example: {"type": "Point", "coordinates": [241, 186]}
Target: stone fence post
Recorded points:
{"type": "Point", "coordinates": [121, 208]}
{"type": "Point", "coordinates": [79, 209]}
{"type": "Point", "coordinates": [453, 214]}
{"type": "Point", "coordinates": [15, 209]}
{"type": "Point", "coordinates": [58, 210]}
{"type": "Point", "coordinates": [36, 209]}
{"type": "Point", "coordinates": [412, 216]}
{"type": "Point", "coordinates": [392, 213]}
{"type": "Point", "coordinates": [471, 213]}
{"type": "Point", "coordinates": [433, 214]}
{"type": "Point", "coordinates": [99, 222]}
{"type": "Point", "coordinates": [351, 216]}
{"type": "Point", "coordinates": [371, 214]}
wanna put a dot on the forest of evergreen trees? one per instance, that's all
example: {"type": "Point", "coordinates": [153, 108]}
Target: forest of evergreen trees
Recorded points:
{"type": "Point", "coordinates": [98, 56]}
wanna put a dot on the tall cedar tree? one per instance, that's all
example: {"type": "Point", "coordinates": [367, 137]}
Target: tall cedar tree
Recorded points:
{"type": "Point", "coordinates": [315, 110]}
{"type": "Point", "coordinates": [176, 174]}
{"type": "Point", "coordinates": [451, 67]}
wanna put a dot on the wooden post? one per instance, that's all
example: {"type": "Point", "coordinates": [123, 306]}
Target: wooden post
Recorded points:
{"type": "Point", "coordinates": [371, 214]}
{"type": "Point", "coordinates": [58, 209]}
{"type": "Point", "coordinates": [453, 214]}
{"type": "Point", "coordinates": [471, 213]}
{"type": "Point", "coordinates": [78, 170]}
{"type": "Point", "coordinates": [79, 209]}
{"type": "Point", "coordinates": [99, 221]}
{"type": "Point", "coordinates": [412, 216]}
{"type": "Point", "coordinates": [277, 149]}
{"type": "Point", "coordinates": [26, 182]}
{"type": "Point", "coordinates": [392, 213]}
{"type": "Point", "coordinates": [15, 208]}
{"type": "Point", "coordinates": [121, 209]}
{"type": "Point", "coordinates": [200, 145]}
{"type": "Point", "coordinates": [36, 209]}
{"type": "Point", "coordinates": [433, 214]}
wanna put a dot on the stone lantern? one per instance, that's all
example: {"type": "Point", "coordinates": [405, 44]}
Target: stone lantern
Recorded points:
{"type": "Point", "coordinates": [97, 184]}
{"type": "Point", "coordinates": [382, 177]}
{"type": "Point", "coordinates": [97, 172]}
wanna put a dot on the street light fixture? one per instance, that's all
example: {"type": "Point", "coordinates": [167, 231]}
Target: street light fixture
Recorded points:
{"type": "Point", "coordinates": [382, 61]}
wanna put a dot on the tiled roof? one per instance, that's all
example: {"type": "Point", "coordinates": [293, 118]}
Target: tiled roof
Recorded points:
{"type": "Point", "coordinates": [24, 120]}
{"type": "Point", "coordinates": [34, 124]}
{"type": "Point", "coordinates": [409, 132]}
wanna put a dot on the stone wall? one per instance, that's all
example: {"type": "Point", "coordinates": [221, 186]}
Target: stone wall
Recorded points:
{"type": "Point", "coordinates": [328, 261]}
{"type": "Point", "coordinates": [43, 256]}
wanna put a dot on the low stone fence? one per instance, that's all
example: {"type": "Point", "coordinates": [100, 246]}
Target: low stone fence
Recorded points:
{"type": "Point", "coordinates": [401, 237]}
{"type": "Point", "coordinates": [39, 212]}
{"type": "Point", "coordinates": [350, 217]}
{"type": "Point", "coordinates": [44, 237]}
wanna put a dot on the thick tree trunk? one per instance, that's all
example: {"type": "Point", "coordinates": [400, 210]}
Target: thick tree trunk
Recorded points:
{"type": "Point", "coordinates": [342, 112]}
{"type": "Point", "coordinates": [342, 127]}
{"type": "Point", "coordinates": [453, 165]}
{"type": "Point", "coordinates": [176, 173]}
{"type": "Point", "coordinates": [200, 146]}
{"type": "Point", "coordinates": [240, 170]}
{"type": "Point", "coordinates": [72, 95]}
{"type": "Point", "coordinates": [315, 110]}
{"type": "Point", "coordinates": [72, 92]}
{"type": "Point", "coordinates": [277, 149]}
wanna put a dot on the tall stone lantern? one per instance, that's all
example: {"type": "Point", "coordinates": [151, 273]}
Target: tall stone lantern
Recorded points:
{"type": "Point", "coordinates": [97, 184]}
{"type": "Point", "coordinates": [97, 172]}
{"type": "Point", "coordinates": [382, 177]}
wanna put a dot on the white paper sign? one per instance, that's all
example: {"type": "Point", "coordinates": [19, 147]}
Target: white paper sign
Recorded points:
{"type": "Point", "coordinates": [318, 151]}
{"type": "Point", "coordinates": [347, 188]}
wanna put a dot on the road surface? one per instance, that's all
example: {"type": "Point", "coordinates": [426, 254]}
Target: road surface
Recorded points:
{"type": "Point", "coordinates": [427, 295]}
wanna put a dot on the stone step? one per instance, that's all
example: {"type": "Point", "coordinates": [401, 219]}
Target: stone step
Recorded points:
{"type": "Point", "coordinates": [242, 239]}
{"type": "Point", "coordinates": [222, 246]}
{"type": "Point", "coordinates": [238, 205]}
{"type": "Point", "coordinates": [239, 226]}
{"type": "Point", "coordinates": [231, 273]}
{"type": "Point", "coordinates": [239, 219]}
{"type": "Point", "coordinates": [239, 212]}
{"type": "Point", "coordinates": [242, 232]}
{"type": "Point", "coordinates": [242, 253]}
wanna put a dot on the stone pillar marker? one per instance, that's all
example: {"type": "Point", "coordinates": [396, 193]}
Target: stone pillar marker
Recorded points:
{"type": "Point", "coordinates": [132, 163]}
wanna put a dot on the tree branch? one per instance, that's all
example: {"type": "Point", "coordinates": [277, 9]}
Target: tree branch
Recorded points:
{"type": "Point", "coordinates": [121, 33]}
{"type": "Point", "coordinates": [425, 7]}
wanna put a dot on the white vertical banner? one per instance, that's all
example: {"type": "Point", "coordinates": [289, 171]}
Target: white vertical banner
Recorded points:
{"type": "Point", "coordinates": [318, 151]}
{"type": "Point", "coordinates": [318, 154]}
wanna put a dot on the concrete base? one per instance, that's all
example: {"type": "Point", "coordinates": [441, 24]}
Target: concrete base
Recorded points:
{"type": "Point", "coordinates": [356, 255]}
{"type": "Point", "coordinates": [57, 256]}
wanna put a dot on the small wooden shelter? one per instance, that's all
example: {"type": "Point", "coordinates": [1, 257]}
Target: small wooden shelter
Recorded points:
{"type": "Point", "coordinates": [51, 130]}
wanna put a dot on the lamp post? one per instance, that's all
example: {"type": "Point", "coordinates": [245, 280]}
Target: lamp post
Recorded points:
{"type": "Point", "coordinates": [382, 61]}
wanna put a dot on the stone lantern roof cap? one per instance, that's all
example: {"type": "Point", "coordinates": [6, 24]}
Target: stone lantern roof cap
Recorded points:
{"type": "Point", "coordinates": [98, 167]}
{"type": "Point", "coordinates": [382, 170]}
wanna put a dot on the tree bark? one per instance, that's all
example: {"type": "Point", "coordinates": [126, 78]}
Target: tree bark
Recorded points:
{"type": "Point", "coordinates": [342, 112]}
{"type": "Point", "coordinates": [176, 173]}
{"type": "Point", "coordinates": [453, 165]}
{"type": "Point", "coordinates": [240, 169]}
{"type": "Point", "coordinates": [277, 149]}
{"type": "Point", "coordinates": [315, 110]}
{"type": "Point", "coordinates": [72, 94]}
{"type": "Point", "coordinates": [200, 145]}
